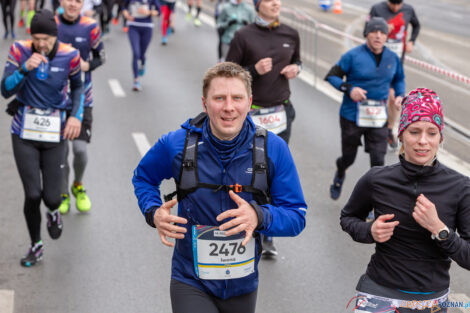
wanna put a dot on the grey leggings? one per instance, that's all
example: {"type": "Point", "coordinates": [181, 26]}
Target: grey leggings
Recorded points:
{"type": "Point", "coordinates": [36, 160]}
{"type": "Point", "coordinates": [189, 299]}
{"type": "Point", "coordinates": [80, 160]}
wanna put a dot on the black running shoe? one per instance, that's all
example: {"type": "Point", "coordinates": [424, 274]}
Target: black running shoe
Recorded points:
{"type": "Point", "coordinates": [269, 250]}
{"type": "Point", "coordinates": [54, 224]}
{"type": "Point", "coordinates": [335, 189]}
{"type": "Point", "coordinates": [34, 255]}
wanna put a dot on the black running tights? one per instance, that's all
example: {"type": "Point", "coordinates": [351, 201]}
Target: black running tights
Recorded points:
{"type": "Point", "coordinates": [35, 159]}
{"type": "Point", "coordinates": [189, 299]}
{"type": "Point", "coordinates": [8, 10]}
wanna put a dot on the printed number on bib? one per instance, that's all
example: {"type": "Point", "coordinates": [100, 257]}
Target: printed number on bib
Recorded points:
{"type": "Point", "coordinates": [135, 7]}
{"type": "Point", "coordinates": [396, 45]}
{"type": "Point", "coordinates": [217, 256]}
{"type": "Point", "coordinates": [273, 119]}
{"type": "Point", "coordinates": [41, 125]}
{"type": "Point", "coordinates": [372, 113]}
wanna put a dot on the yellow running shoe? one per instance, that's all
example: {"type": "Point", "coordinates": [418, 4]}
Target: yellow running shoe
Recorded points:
{"type": "Point", "coordinates": [83, 203]}
{"type": "Point", "coordinates": [65, 204]}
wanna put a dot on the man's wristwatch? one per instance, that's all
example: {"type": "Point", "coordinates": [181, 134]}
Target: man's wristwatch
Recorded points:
{"type": "Point", "coordinates": [442, 234]}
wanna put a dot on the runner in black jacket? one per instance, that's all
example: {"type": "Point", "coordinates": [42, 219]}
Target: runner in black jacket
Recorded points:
{"type": "Point", "coordinates": [415, 201]}
{"type": "Point", "coordinates": [270, 51]}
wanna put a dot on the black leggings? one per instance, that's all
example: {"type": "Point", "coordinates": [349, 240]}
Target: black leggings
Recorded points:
{"type": "Point", "coordinates": [375, 141]}
{"type": "Point", "coordinates": [34, 158]}
{"type": "Point", "coordinates": [106, 14]}
{"type": "Point", "coordinates": [189, 299]}
{"type": "Point", "coordinates": [8, 10]}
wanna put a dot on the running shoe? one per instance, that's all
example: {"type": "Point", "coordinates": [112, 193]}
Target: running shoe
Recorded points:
{"type": "Point", "coordinates": [125, 29]}
{"type": "Point", "coordinates": [54, 224]}
{"type": "Point", "coordinates": [197, 22]}
{"type": "Point", "coordinates": [392, 141]}
{"type": "Point", "coordinates": [65, 204]}
{"type": "Point", "coordinates": [83, 203]}
{"type": "Point", "coordinates": [269, 250]}
{"type": "Point", "coordinates": [5, 36]}
{"type": "Point", "coordinates": [335, 189]}
{"type": "Point", "coordinates": [189, 16]}
{"type": "Point", "coordinates": [21, 23]}
{"type": "Point", "coordinates": [115, 21]}
{"type": "Point", "coordinates": [164, 40]}
{"type": "Point", "coordinates": [137, 86]}
{"type": "Point", "coordinates": [34, 255]}
{"type": "Point", "coordinates": [169, 31]}
{"type": "Point", "coordinates": [142, 70]}
{"type": "Point", "coordinates": [13, 35]}
{"type": "Point", "coordinates": [28, 30]}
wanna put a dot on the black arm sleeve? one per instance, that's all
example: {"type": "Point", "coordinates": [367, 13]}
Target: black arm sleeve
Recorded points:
{"type": "Point", "coordinates": [356, 210]}
{"type": "Point", "coordinates": [97, 59]}
{"type": "Point", "coordinates": [416, 27]}
{"type": "Point", "coordinates": [336, 70]}
{"type": "Point", "coordinates": [458, 247]}
{"type": "Point", "coordinates": [149, 216]}
{"type": "Point", "coordinates": [296, 56]}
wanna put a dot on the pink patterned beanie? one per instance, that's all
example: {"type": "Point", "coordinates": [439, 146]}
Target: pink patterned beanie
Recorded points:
{"type": "Point", "coordinates": [421, 104]}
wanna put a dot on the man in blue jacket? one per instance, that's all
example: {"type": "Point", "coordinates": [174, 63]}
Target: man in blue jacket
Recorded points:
{"type": "Point", "coordinates": [234, 182]}
{"type": "Point", "coordinates": [370, 70]}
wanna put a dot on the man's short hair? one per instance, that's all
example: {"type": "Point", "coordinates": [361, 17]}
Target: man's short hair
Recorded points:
{"type": "Point", "coordinates": [227, 70]}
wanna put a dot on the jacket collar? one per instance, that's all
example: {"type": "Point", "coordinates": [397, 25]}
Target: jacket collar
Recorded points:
{"type": "Point", "coordinates": [414, 170]}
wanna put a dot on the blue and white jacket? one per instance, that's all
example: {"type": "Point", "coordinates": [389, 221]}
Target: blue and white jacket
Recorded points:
{"type": "Point", "coordinates": [285, 216]}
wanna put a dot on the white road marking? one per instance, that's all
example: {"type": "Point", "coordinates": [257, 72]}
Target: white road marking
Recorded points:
{"type": "Point", "coordinates": [116, 88]}
{"type": "Point", "coordinates": [141, 142]}
{"type": "Point", "coordinates": [7, 298]}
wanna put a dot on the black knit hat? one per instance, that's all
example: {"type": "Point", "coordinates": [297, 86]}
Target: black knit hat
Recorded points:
{"type": "Point", "coordinates": [396, 1]}
{"type": "Point", "coordinates": [44, 22]}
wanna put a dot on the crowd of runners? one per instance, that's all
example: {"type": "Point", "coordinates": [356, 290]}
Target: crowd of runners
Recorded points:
{"type": "Point", "coordinates": [237, 186]}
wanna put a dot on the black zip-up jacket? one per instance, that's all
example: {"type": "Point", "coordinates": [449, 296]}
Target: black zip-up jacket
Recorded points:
{"type": "Point", "coordinates": [411, 260]}
{"type": "Point", "coordinates": [253, 43]}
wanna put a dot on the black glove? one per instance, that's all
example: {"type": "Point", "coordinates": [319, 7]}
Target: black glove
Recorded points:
{"type": "Point", "coordinates": [245, 22]}
{"type": "Point", "coordinates": [221, 31]}
{"type": "Point", "coordinates": [231, 22]}
{"type": "Point", "coordinates": [12, 107]}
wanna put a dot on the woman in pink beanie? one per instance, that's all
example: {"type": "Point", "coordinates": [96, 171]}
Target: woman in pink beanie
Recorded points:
{"type": "Point", "coordinates": [420, 205]}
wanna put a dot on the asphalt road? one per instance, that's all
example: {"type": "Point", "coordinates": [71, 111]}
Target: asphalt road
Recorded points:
{"type": "Point", "coordinates": [110, 261]}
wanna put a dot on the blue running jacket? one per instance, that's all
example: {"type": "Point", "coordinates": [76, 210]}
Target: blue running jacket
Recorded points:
{"type": "Point", "coordinates": [285, 216]}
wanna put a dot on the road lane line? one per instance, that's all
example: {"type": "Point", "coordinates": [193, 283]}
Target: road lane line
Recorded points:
{"type": "Point", "coordinates": [116, 88]}
{"type": "Point", "coordinates": [7, 298]}
{"type": "Point", "coordinates": [141, 142]}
